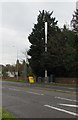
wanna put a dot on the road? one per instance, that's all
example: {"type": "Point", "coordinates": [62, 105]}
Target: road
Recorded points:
{"type": "Point", "coordinates": [34, 102]}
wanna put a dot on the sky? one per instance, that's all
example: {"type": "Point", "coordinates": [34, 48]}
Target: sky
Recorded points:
{"type": "Point", "coordinates": [17, 20]}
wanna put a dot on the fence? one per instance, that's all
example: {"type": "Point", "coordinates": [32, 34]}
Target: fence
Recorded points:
{"type": "Point", "coordinates": [67, 80]}
{"type": "Point", "coordinates": [59, 80]}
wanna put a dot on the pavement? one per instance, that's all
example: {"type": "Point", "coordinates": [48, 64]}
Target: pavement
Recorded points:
{"type": "Point", "coordinates": [32, 101]}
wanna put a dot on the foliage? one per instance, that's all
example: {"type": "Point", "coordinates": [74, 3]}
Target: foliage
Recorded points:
{"type": "Point", "coordinates": [61, 53]}
{"type": "Point", "coordinates": [37, 39]}
{"type": "Point", "coordinates": [60, 59]}
{"type": "Point", "coordinates": [74, 22]}
{"type": "Point", "coordinates": [6, 114]}
{"type": "Point", "coordinates": [23, 69]}
{"type": "Point", "coordinates": [4, 71]}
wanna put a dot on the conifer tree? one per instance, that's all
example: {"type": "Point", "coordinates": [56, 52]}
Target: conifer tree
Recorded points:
{"type": "Point", "coordinates": [74, 23]}
{"type": "Point", "coordinates": [37, 39]}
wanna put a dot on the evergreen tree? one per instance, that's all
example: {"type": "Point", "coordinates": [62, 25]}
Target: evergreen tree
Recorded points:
{"type": "Point", "coordinates": [37, 39]}
{"type": "Point", "coordinates": [60, 58]}
{"type": "Point", "coordinates": [74, 23]}
{"type": "Point", "coordinates": [70, 53]}
{"type": "Point", "coordinates": [61, 53]}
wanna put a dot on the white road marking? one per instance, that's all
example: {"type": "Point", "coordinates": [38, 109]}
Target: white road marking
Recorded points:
{"type": "Point", "coordinates": [62, 110]}
{"type": "Point", "coordinates": [72, 88]}
{"type": "Point", "coordinates": [66, 99]}
{"type": "Point", "coordinates": [25, 91]}
{"type": "Point", "coordinates": [69, 105]}
{"type": "Point", "coordinates": [34, 93]}
{"type": "Point", "coordinates": [13, 89]}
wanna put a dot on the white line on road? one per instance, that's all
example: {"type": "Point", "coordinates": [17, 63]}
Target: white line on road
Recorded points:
{"type": "Point", "coordinates": [34, 93]}
{"type": "Point", "coordinates": [62, 110]}
{"type": "Point", "coordinates": [13, 89]}
{"type": "Point", "coordinates": [25, 91]}
{"type": "Point", "coordinates": [66, 99]}
{"type": "Point", "coordinates": [72, 88]}
{"type": "Point", "coordinates": [68, 105]}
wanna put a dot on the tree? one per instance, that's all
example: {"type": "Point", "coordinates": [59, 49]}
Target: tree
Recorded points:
{"type": "Point", "coordinates": [4, 71]}
{"type": "Point", "coordinates": [74, 23]}
{"type": "Point", "coordinates": [60, 56]}
{"type": "Point", "coordinates": [70, 53]}
{"type": "Point", "coordinates": [60, 59]}
{"type": "Point", "coordinates": [37, 39]}
{"type": "Point", "coordinates": [17, 68]}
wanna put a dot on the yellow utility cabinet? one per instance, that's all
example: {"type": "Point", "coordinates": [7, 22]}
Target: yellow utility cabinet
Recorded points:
{"type": "Point", "coordinates": [31, 79]}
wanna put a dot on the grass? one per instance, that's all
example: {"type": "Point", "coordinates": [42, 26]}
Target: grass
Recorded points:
{"type": "Point", "coordinates": [61, 84]}
{"type": "Point", "coordinates": [24, 81]}
{"type": "Point", "coordinates": [4, 114]}
{"type": "Point", "coordinates": [0, 113]}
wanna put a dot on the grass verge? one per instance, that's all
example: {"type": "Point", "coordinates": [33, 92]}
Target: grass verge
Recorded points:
{"type": "Point", "coordinates": [24, 81]}
{"type": "Point", "coordinates": [61, 84]}
{"type": "Point", "coordinates": [6, 114]}
{"type": "Point", "coordinates": [0, 113]}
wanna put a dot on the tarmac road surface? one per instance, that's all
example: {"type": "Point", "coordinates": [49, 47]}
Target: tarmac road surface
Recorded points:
{"type": "Point", "coordinates": [32, 102]}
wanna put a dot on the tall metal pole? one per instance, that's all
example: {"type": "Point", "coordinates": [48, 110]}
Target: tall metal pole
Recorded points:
{"type": "Point", "coordinates": [46, 47]}
{"type": "Point", "coordinates": [17, 64]}
{"type": "Point", "coordinates": [26, 57]}
{"type": "Point", "coordinates": [77, 5]}
{"type": "Point", "coordinates": [26, 70]}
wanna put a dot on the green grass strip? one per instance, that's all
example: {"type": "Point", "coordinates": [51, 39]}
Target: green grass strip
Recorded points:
{"type": "Point", "coordinates": [0, 113]}
{"type": "Point", "coordinates": [6, 114]}
{"type": "Point", "coordinates": [24, 81]}
{"type": "Point", "coordinates": [61, 84]}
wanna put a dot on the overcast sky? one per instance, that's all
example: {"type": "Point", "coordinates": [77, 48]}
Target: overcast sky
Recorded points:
{"type": "Point", "coordinates": [17, 21]}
